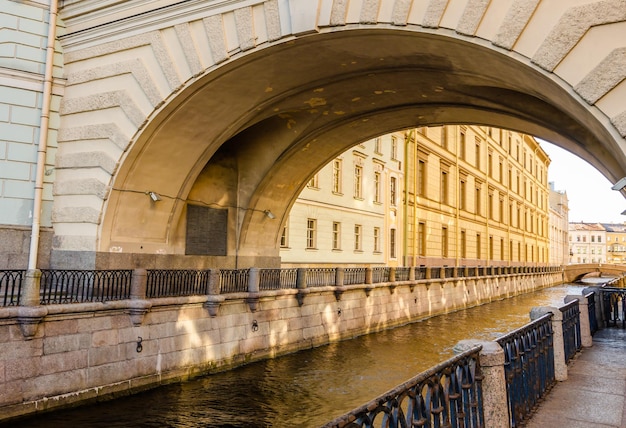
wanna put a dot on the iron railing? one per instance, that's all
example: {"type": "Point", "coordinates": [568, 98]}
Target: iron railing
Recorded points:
{"type": "Point", "coordinates": [277, 279]}
{"type": "Point", "coordinates": [528, 367]}
{"type": "Point", "coordinates": [171, 283]}
{"type": "Point", "coordinates": [614, 303]}
{"type": "Point", "coordinates": [234, 280]}
{"type": "Point", "coordinates": [380, 274]}
{"type": "Point", "coordinates": [80, 286]}
{"type": "Point", "coordinates": [320, 277]}
{"type": "Point", "coordinates": [571, 329]}
{"type": "Point", "coordinates": [403, 273]}
{"type": "Point", "coordinates": [353, 276]}
{"type": "Point", "coordinates": [73, 286]}
{"type": "Point", "coordinates": [447, 395]}
{"type": "Point", "coordinates": [11, 287]}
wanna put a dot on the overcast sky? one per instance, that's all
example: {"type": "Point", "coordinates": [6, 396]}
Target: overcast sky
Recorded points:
{"type": "Point", "coordinates": [589, 193]}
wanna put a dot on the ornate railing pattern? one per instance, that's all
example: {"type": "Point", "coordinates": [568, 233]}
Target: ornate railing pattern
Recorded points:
{"type": "Point", "coordinates": [277, 279]}
{"type": "Point", "coordinates": [79, 286]}
{"type": "Point", "coordinates": [447, 395]}
{"type": "Point", "coordinates": [449, 272]}
{"type": "Point", "coordinates": [614, 300]}
{"type": "Point", "coordinates": [72, 286]}
{"type": "Point", "coordinates": [380, 274]}
{"type": "Point", "coordinates": [402, 273]}
{"type": "Point", "coordinates": [571, 329]}
{"type": "Point", "coordinates": [234, 280]}
{"type": "Point", "coordinates": [11, 287]}
{"type": "Point", "coordinates": [170, 283]}
{"type": "Point", "coordinates": [528, 366]}
{"type": "Point", "coordinates": [320, 277]}
{"type": "Point", "coordinates": [355, 275]}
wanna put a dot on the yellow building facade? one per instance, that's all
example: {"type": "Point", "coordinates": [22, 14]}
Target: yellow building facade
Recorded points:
{"type": "Point", "coordinates": [435, 196]}
{"type": "Point", "coordinates": [475, 196]}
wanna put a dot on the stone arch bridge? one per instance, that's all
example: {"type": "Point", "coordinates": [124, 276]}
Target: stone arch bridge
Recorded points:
{"type": "Point", "coordinates": [573, 273]}
{"type": "Point", "coordinates": [232, 105]}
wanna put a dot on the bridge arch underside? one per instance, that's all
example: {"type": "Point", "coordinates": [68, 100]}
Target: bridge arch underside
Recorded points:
{"type": "Point", "coordinates": [246, 136]}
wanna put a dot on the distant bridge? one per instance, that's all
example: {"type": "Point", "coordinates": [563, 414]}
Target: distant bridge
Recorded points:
{"type": "Point", "coordinates": [573, 273]}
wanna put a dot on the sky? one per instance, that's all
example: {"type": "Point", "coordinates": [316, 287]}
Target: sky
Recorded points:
{"type": "Point", "coordinates": [589, 193]}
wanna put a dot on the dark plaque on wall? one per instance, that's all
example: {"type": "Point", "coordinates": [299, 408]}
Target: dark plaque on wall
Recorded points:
{"type": "Point", "coordinates": [206, 231]}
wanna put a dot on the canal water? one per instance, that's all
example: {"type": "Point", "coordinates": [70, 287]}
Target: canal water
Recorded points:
{"type": "Point", "coordinates": [311, 387]}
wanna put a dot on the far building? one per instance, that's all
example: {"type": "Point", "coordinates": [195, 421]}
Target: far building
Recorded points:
{"type": "Point", "coordinates": [455, 195]}
{"type": "Point", "coordinates": [615, 243]}
{"type": "Point", "coordinates": [558, 222]}
{"type": "Point", "coordinates": [587, 243]}
{"type": "Point", "coordinates": [350, 212]}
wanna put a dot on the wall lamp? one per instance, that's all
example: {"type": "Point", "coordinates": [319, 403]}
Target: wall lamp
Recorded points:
{"type": "Point", "coordinates": [154, 196]}
{"type": "Point", "coordinates": [269, 214]}
{"type": "Point", "coordinates": [620, 184]}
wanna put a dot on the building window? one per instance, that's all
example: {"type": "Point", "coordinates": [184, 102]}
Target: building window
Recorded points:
{"type": "Point", "coordinates": [490, 247]}
{"type": "Point", "coordinates": [313, 182]}
{"type": "Point", "coordinates": [336, 236]}
{"type": "Point", "coordinates": [377, 184]}
{"type": "Point", "coordinates": [501, 249]}
{"type": "Point", "coordinates": [490, 164]}
{"type": "Point", "coordinates": [462, 145]}
{"type": "Point", "coordinates": [377, 239]}
{"type": "Point", "coordinates": [421, 178]}
{"type": "Point", "coordinates": [358, 237]}
{"type": "Point", "coordinates": [311, 233]}
{"type": "Point", "coordinates": [477, 201]}
{"type": "Point", "coordinates": [421, 239]}
{"type": "Point", "coordinates": [358, 182]}
{"type": "Point", "coordinates": [377, 145]}
{"type": "Point", "coordinates": [444, 187]}
{"type": "Point", "coordinates": [392, 243]}
{"type": "Point", "coordinates": [478, 246]}
{"type": "Point", "coordinates": [337, 176]}
{"type": "Point", "coordinates": [490, 207]}
{"type": "Point", "coordinates": [394, 147]}
{"type": "Point", "coordinates": [462, 197]}
{"type": "Point", "coordinates": [477, 155]}
{"type": "Point", "coordinates": [393, 190]}
{"type": "Point", "coordinates": [284, 236]}
{"type": "Point", "coordinates": [444, 242]}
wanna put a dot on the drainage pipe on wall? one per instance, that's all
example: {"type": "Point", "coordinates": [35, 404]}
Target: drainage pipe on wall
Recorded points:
{"type": "Point", "coordinates": [42, 147]}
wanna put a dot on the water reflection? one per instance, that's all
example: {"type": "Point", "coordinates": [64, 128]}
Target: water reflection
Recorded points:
{"type": "Point", "coordinates": [311, 387]}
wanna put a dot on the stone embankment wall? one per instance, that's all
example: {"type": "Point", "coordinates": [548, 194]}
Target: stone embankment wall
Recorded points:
{"type": "Point", "coordinates": [92, 351]}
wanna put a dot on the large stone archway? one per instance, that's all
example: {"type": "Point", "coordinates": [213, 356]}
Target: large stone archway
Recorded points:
{"type": "Point", "coordinates": [234, 105]}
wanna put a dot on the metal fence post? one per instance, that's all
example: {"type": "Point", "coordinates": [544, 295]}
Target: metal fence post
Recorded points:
{"type": "Point", "coordinates": [495, 404]}
{"type": "Point", "coordinates": [560, 366]}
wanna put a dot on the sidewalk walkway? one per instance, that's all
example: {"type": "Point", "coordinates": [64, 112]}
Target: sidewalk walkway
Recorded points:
{"type": "Point", "coordinates": [594, 394]}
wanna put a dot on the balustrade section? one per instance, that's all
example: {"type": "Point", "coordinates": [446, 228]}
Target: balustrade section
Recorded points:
{"type": "Point", "coordinates": [528, 366]}
{"type": "Point", "coordinates": [447, 395]}
{"type": "Point", "coordinates": [80, 286]}
{"type": "Point", "coordinates": [571, 329]}
{"type": "Point", "coordinates": [170, 283]}
{"type": "Point", "coordinates": [11, 287]}
{"type": "Point", "coordinates": [277, 279]}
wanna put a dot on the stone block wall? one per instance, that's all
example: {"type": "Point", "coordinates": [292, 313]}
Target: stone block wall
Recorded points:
{"type": "Point", "coordinates": [90, 351]}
